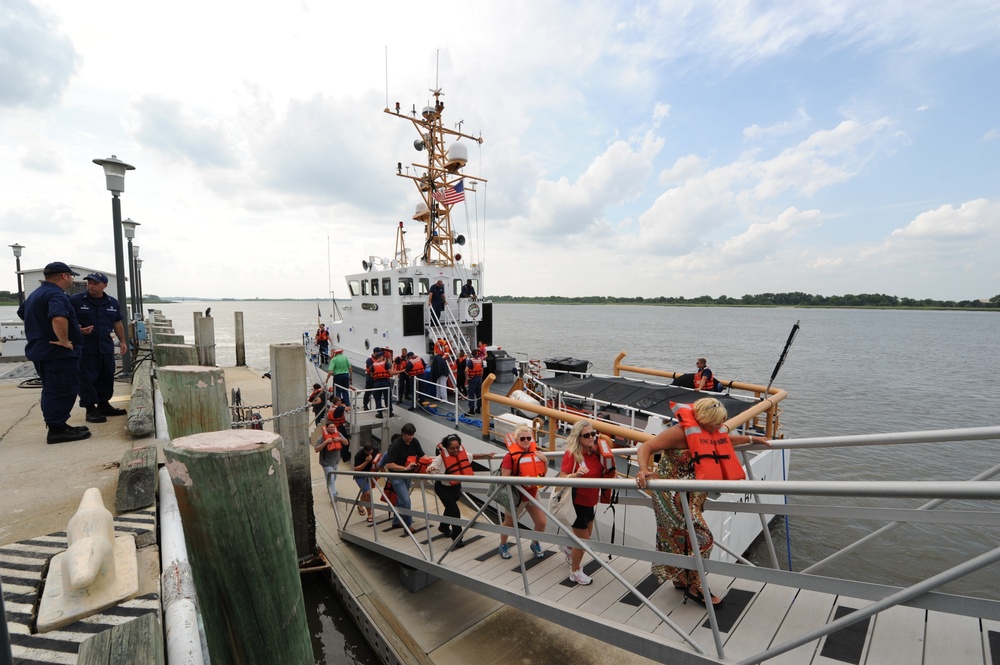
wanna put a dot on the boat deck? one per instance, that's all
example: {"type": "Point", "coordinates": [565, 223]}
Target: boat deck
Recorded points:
{"type": "Point", "coordinates": [754, 617]}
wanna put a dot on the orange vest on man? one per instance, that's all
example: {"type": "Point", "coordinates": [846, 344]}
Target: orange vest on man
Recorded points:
{"type": "Point", "coordinates": [712, 452]}
{"type": "Point", "coordinates": [476, 368]}
{"type": "Point", "coordinates": [381, 369]}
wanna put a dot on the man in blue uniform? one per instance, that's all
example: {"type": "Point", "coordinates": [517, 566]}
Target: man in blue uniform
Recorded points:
{"type": "Point", "coordinates": [436, 298]}
{"type": "Point", "coordinates": [54, 341]}
{"type": "Point", "coordinates": [99, 315]}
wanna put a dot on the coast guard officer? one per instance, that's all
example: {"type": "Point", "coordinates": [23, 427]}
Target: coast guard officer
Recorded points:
{"type": "Point", "coordinates": [99, 315]}
{"type": "Point", "coordinates": [54, 341]}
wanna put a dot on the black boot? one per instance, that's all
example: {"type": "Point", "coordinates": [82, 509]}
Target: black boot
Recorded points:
{"type": "Point", "coordinates": [107, 410]}
{"type": "Point", "coordinates": [95, 416]}
{"type": "Point", "coordinates": [64, 433]}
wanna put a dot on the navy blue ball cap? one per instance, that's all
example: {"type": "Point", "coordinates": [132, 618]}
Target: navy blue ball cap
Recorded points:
{"type": "Point", "coordinates": [97, 277]}
{"type": "Point", "coordinates": [57, 268]}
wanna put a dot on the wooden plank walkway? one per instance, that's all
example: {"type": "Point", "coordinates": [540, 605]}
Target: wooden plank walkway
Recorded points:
{"type": "Point", "coordinates": [754, 616]}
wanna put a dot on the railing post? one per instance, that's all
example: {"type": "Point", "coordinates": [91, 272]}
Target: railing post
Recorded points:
{"type": "Point", "coordinates": [233, 498]}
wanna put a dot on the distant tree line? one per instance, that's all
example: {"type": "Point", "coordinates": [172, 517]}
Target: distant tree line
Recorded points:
{"type": "Point", "coordinates": [795, 299]}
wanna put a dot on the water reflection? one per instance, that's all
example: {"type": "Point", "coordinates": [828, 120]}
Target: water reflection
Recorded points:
{"type": "Point", "coordinates": [335, 637]}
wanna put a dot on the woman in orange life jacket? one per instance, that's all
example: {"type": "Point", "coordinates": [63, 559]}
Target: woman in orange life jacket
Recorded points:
{"type": "Point", "coordinates": [696, 447]}
{"type": "Point", "coordinates": [329, 445]}
{"type": "Point", "coordinates": [522, 460]}
{"type": "Point", "coordinates": [581, 460]}
{"type": "Point", "coordinates": [452, 460]}
{"type": "Point", "coordinates": [364, 460]}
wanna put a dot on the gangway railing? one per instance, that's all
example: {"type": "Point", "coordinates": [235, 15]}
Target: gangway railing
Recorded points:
{"type": "Point", "coordinates": [923, 594]}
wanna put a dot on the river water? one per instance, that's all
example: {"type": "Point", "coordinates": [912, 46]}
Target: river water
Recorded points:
{"type": "Point", "coordinates": [848, 372]}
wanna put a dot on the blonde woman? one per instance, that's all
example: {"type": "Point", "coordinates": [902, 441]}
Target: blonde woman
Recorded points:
{"type": "Point", "coordinates": [581, 460]}
{"type": "Point", "coordinates": [698, 430]}
{"type": "Point", "coordinates": [522, 460]}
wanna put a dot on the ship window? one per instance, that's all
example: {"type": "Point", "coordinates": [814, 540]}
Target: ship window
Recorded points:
{"type": "Point", "coordinates": [425, 286]}
{"type": "Point", "coordinates": [355, 287]}
{"type": "Point", "coordinates": [364, 287]}
{"type": "Point", "coordinates": [456, 287]}
{"type": "Point", "coordinates": [375, 287]}
{"type": "Point", "coordinates": [386, 286]}
{"type": "Point", "coordinates": [405, 286]}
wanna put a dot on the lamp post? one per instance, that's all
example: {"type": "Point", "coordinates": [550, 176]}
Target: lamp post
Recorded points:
{"type": "Point", "coordinates": [17, 257]}
{"type": "Point", "coordinates": [114, 174]}
{"type": "Point", "coordinates": [128, 227]}
{"type": "Point", "coordinates": [138, 283]}
{"type": "Point", "coordinates": [136, 310]}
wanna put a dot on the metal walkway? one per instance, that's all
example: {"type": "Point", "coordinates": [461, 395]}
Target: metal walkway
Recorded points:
{"type": "Point", "coordinates": [768, 615]}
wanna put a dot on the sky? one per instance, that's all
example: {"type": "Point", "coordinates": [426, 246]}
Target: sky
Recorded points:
{"type": "Point", "coordinates": [631, 148]}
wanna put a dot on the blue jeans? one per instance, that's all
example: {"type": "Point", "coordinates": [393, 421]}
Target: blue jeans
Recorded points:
{"type": "Point", "coordinates": [402, 487]}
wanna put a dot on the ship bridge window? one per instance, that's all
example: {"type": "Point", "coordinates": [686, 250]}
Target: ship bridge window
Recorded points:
{"type": "Point", "coordinates": [364, 287]}
{"type": "Point", "coordinates": [375, 287]}
{"type": "Point", "coordinates": [386, 286]}
{"type": "Point", "coordinates": [456, 286]}
{"type": "Point", "coordinates": [355, 287]}
{"type": "Point", "coordinates": [425, 286]}
{"type": "Point", "coordinates": [405, 286]}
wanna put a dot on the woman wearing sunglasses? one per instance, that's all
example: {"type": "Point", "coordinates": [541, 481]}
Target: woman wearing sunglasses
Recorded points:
{"type": "Point", "coordinates": [581, 460]}
{"type": "Point", "coordinates": [523, 460]}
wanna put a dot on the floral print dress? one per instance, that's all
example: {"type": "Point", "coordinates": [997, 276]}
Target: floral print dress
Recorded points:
{"type": "Point", "coordinates": [671, 529]}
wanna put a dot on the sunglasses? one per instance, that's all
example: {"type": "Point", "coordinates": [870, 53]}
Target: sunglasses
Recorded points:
{"type": "Point", "coordinates": [524, 438]}
{"type": "Point", "coordinates": [588, 435]}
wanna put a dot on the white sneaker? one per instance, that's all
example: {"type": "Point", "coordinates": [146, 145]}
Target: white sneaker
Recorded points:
{"type": "Point", "coordinates": [580, 577]}
{"type": "Point", "coordinates": [568, 553]}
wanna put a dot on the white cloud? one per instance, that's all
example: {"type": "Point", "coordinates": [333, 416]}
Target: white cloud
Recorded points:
{"type": "Point", "coordinates": [37, 60]}
{"type": "Point", "coordinates": [991, 135]}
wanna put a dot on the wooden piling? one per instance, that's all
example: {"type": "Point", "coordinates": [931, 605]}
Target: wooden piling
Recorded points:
{"type": "Point", "coordinates": [241, 346]}
{"type": "Point", "coordinates": [175, 354]}
{"type": "Point", "coordinates": [288, 391]}
{"type": "Point", "coordinates": [167, 338]}
{"type": "Point", "coordinates": [204, 340]}
{"type": "Point", "coordinates": [232, 495]}
{"type": "Point", "coordinates": [194, 399]}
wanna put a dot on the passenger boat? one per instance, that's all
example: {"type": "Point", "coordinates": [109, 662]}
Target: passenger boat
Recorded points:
{"type": "Point", "coordinates": [389, 310]}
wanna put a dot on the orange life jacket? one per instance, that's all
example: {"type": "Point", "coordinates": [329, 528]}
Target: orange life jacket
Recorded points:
{"type": "Point", "coordinates": [381, 370]}
{"type": "Point", "coordinates": [442, 347]}
{"type": "Point", "coordinates": [399, 366]}
{"type": "Point", "coordinates": [332, 441]}
{"type": "Point", "coordinates": [713, 454]}
{"type": "Point", "coordinates": [709, 384]}
{"type": "Point", "coordinates": [313, 394]}
{"type": "Point", "coordinates": [459, 465]}
{"type": "Point", "coordinates": [476, 369]}
{"type": "Point", "coordinates": [608, 468]}
{"type": "Point", "coordinates": [418, 366]}
{"type": "Point", "coordinates": [526, 462]}
{"type": "Point", "coordinates": [339, 422]}
{"type": "Point", "coordinates": [322, 336]}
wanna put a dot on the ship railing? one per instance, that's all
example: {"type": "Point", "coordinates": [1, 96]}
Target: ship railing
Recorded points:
{"type": "Point", "coordinates": [769, 396]}
{"type": "Point", "coordinates": [922, 594]}
{"type": "Point", "coordinates": [447, 328]}
{"type": "Point", "coordinates": [425, 393]}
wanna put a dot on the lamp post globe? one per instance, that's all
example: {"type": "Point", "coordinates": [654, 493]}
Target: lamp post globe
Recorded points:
{"type": "Point", "coordinates": [114, 174]}
{"type": "Point", "coordinates": [17, 258]}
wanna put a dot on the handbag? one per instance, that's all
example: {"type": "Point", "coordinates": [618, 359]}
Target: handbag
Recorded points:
{"type": "Point", "coordinates": [500, 494]}
{"type": "Point", "coordinates": [561, 505]}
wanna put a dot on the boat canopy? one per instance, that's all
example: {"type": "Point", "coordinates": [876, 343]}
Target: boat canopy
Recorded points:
{"type": "Point", "coordinates": [642, 395]}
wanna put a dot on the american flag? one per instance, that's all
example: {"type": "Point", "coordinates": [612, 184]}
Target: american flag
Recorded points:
{"type": "Point", "coordinates": [451, 195]}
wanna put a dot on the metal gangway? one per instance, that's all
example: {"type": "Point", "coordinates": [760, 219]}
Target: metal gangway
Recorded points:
{"type": "Point", "coordinates": [768, 615]}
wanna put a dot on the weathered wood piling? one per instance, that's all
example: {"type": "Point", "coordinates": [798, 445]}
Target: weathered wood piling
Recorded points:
{"type": "Point", "coordinates": [232, 493]}
{"type": "Point", "coordinates": [194, 399]}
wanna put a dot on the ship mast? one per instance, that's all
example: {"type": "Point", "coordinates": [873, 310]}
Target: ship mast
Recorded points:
{"type": "Point", "coordinates": [437, 179]}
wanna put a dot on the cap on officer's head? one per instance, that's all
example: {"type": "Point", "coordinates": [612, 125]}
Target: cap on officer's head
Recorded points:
{"type": "Point", "coordinates": [57, 268]}
{"type": "Point", "coordinates": [97, 277]}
